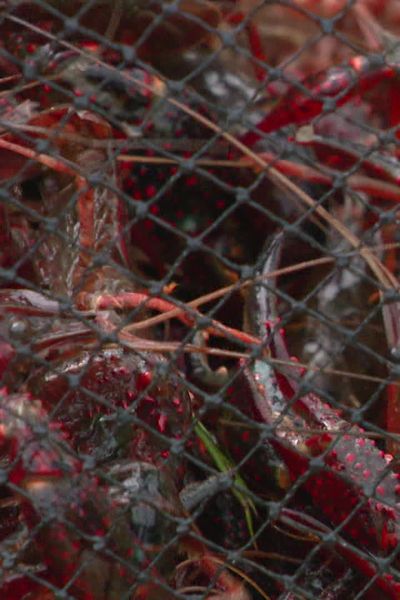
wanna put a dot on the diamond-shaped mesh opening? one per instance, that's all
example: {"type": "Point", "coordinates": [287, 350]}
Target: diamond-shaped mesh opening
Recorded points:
{"type": "Point", "coordinates": [199, 311]}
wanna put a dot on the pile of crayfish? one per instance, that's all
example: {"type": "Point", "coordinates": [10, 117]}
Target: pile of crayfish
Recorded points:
{"type": "Point", "coordinates": [150, 449]}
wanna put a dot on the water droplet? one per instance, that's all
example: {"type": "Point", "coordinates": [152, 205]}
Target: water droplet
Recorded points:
{"type": "Point", "coordinates": [162, 422]}
{"type": "Point", "coordinates": [130, 395]}
{"type": "Point", "coordinates": [18, 328]}
{"type": "Point", "coordinates": [245, 436]}
{"type": "Point", "coordinates": [143, 380]}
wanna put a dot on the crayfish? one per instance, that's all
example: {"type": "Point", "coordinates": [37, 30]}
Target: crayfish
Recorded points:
{"type": "Point", "coordinates": [349, 479]}
{"type": "Point", "coordinates": [92, 421]}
